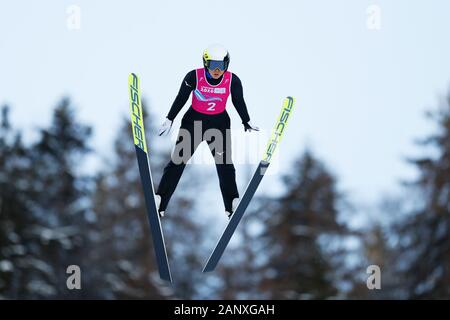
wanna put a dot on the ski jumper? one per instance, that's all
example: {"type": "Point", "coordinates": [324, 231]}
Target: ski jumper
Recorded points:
{"type": "Point", "coordinates": [208, 111]}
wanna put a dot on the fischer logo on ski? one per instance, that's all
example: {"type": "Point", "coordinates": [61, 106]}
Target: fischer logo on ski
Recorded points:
{"type": "Point", "coordinates": [137, 123]}
{"type": "Point", "coordinates": [277, 134]}
{"type": "Point", "coordinates": [279, 128]}
{"type": "Point", "coordinates": [137, 118]}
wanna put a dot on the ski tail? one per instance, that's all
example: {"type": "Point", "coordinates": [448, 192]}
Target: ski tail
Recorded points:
{"type": "Point", "coordinates": [137, 124]}
{"type": "Point", "coordinates": [277, 134]}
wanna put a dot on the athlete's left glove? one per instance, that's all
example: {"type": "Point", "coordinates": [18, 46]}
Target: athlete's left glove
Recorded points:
{"type": "Point", "coordinates": [250, 127]}
{"type": "Point", "coordinates": [165, 127]}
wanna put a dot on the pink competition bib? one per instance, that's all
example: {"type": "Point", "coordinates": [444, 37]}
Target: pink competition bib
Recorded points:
{"type": "Point", "coordinates": [210, 99]}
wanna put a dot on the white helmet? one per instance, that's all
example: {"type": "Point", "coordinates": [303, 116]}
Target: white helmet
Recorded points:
{"type": "Point", "coordinates": [216, 56]}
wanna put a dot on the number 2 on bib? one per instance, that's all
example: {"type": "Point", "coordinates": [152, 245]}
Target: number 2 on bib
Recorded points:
{"type": "Point", "coordinates": [211, 105]}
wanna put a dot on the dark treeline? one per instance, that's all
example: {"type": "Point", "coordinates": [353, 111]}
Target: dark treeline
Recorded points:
{"type": "Point", "coordinates": [297, 245]}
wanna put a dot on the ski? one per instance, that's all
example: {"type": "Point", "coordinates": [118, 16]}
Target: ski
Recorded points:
{"type": "Point", "coordinates": [137, 123]}
{"type": "Point", "coordinates": [277, 133]}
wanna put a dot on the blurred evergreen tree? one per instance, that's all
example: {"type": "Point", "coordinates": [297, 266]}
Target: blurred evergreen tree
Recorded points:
{"type": "Point", "coordinates": [376, 250]}
{"type": "Point", "coordinates": [60, 199]}
{"type": "Point", "coordinates": [301, 227]}
{"type": "Point", "coordinates": [424, 231]}
{"type": "Point", "coordinates": [15, 215]}
{"type": "Point", "coordinates": [289, 246]}
{"type": "Point", "coordinates": [45, 199]}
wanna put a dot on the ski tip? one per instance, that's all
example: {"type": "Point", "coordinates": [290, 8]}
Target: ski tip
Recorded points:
{"type": "Point", "coordinates": [290, 99]}
{"type": "Point", "coordinates": [132, 76]}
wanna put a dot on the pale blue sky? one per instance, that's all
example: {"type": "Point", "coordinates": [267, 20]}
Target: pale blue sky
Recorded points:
{"type": "Point", "coordinates": [360, 93]}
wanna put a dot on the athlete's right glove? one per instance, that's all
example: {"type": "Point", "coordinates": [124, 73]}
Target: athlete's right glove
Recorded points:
{"type": "Point", "coordinates": [248, 126]}
{"type": "Point", "coordinates": [165, 127]}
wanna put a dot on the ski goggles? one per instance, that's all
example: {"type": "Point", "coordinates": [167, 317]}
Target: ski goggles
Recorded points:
{"type": "Point", "coordinates": [216, 64]}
